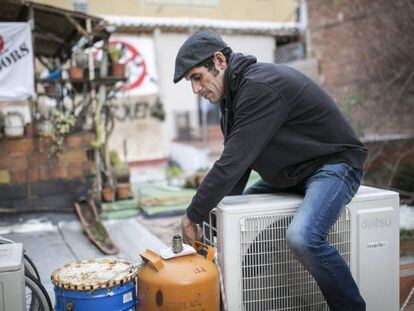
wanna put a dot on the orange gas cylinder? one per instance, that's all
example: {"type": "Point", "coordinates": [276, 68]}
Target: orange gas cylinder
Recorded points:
{"type": "Point", "coordinates": [189, 282]}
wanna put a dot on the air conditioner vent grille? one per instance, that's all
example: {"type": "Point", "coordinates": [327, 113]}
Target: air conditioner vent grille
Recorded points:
{"type": "Point", "coordinates": [272, 279]}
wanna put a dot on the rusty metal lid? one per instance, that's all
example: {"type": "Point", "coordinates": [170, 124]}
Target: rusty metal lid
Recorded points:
{"type": "Point", "coordinates": [93, 274]}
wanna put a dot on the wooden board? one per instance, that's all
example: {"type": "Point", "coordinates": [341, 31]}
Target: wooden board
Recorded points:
{"type": "Point", "coordinates": [94, 228]}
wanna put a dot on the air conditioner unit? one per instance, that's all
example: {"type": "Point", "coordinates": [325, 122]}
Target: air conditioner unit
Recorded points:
{"type": "Point", "coordinates": [12, 294]}
{"type": "Point", "coordinates": [260, 273]}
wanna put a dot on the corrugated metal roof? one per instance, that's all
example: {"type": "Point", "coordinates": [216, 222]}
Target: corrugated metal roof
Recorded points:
{"type": "Point", "coordinates": [56, 30]}
{"type": "Point", "coordinates": [185, 24]}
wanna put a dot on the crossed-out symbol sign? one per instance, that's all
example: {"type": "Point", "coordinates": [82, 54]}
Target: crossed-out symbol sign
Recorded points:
{"type": "Point", "coordinates": [135, 64]}
{"type": "Point", "coordinates": [1, 43]}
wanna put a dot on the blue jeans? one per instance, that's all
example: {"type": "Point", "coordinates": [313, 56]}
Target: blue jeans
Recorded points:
{"type": "Point", "coordinates": [326, 193]}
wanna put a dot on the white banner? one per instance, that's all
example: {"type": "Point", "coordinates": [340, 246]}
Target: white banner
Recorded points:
{"type": "Point", "coordinates": [16, 62]}
{"type": "Point", "coordinates": [138, 55]}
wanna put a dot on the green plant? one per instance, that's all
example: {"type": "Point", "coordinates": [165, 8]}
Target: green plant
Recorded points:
{"type": "Point", "coordinates": [115, 53]}
{"type": "Point", "coordinates": [121, 169]}
{"type": "Point", "coordinates": [79, 58]}
{"type": "Point", "coordinates": [406, 233]}
{"type": "Point", "coordinates": [62, 125]}
{"type": "Point", "coordinates": [114, 157]}
{"type": "Point", "coordinates": [194, 180]}
{"type": "Point", "coordinates": [157, 110]}
{"type": "Point", "coordinates": [404, 178]}
{"type": "Point", "coordinates": [174, 171]}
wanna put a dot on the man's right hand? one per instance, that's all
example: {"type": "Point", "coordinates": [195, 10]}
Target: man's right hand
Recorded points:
{"type": "Point", "coordinates": [189, 230]}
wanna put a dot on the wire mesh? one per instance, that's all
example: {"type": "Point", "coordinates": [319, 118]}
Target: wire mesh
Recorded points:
{"type": "Point", "coordinates": [272, 279]}
{"type": "Point", "coordinates": [290, 52]}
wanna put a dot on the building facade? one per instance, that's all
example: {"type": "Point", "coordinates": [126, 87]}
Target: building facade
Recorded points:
{"type": "Point", "coordinates": [149, 33]}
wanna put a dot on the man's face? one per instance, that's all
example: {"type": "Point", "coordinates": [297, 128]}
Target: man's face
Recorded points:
{"type": "Point", "coordinates": [208, 84]}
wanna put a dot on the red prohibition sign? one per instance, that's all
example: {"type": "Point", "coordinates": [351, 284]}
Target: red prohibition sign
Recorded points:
{"type": "Point", "coordinates": [135, 62]}
{"type": "Point", "coordinates": [1, 43]}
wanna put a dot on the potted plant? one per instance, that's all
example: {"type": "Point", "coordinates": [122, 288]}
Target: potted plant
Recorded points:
{"type": "Point", "coordinates": [121, 170]}
{"type": "Point", "coordinates": [108, 194]}
{"type": "Point", "coordinates": [62, 123]}
{"type": "Point", "coordinates": [108, 185]}
{"type": "Point", "coordinates": [79, 62]}
{"type": "Point", "coordinates": [157, 110]}
{"type": "Point", "coordinates": [175, 174]}
{"type": "Point", "coordinates": [13, 124]}
{"type": "Point", "coordinates": [115, 54]}
{"type": "Point", "coordinates": [56, 128]}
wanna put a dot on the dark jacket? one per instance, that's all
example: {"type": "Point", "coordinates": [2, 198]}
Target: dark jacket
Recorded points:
{"type": "Point", "coordinates": [279, 123]}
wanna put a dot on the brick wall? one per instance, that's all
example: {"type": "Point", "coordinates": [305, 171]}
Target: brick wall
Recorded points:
{"type": "Point", "coordinates": [363, 48]}
{"type": "Point", "coordinates": [31, 179]}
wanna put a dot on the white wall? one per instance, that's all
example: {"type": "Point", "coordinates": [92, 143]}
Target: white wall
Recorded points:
{"type": "Point", "coordinates": [263, 47]}
{"type": "Point", "coordinates": [176, 97]}
{"type": "Point", "coordinates": [179, 97]}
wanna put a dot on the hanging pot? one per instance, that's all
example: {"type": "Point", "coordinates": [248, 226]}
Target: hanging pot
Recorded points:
{"type": "Point", "coordinates": [76, 73]}
{"type": "Point", "coordinates": [14, 125]}
{"type": "Point", "coordinates": [118, 70]}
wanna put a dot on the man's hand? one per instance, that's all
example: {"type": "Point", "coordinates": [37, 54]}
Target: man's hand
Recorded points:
{"type": "Point", "coordinates": [189, 231]}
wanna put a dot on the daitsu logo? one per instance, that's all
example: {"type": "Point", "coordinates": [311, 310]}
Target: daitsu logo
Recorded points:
{"type": "Point", "coordinates": [9, 58]}
{"type": "Point", "coordinates": [376, 222]}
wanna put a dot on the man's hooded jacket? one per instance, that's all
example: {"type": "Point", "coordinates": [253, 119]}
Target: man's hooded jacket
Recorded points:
{"type": "Point", "coordinates": [279, 123]}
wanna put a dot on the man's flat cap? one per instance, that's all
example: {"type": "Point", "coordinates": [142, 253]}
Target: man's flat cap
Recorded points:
{"type": "Point", "coordinates": [197, 48]}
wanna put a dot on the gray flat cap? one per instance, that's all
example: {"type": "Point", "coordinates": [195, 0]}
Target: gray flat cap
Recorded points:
{"type": "Point", "coordinates": [197, 48]}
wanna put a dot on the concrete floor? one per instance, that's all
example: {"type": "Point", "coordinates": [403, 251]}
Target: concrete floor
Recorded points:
{"type": "Point", "coordinates": [53, 240]}
{"type": "Point", "coordinates": [163, 227]}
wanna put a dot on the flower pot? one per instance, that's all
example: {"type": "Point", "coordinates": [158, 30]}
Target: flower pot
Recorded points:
{"type": "Point", "coordinates": [123, 191]}
{"type": "Point", "coordinates": [108, 194]}
{"type": "Point", "coordinates": [76, 73]}
{"type": "Point", "coordinates": [14, 125]}
{"type": "Point", "coordinates": [118, 70]}
{"type": "Point", "coordinates": [29, 130]}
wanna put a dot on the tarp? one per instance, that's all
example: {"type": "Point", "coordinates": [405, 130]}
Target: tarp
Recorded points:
{"type": "Point", "coordinates": [16, 62]}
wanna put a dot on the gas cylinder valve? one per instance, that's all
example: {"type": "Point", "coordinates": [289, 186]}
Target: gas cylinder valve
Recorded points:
{"type": "Point", "coordinates": [177, 244]}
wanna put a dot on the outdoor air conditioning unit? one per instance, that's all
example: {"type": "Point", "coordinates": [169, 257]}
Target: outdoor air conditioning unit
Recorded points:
{"type": "Point", "coordinates": [260, 273]}
{"type": "Point", "coordinates": [12, 285]}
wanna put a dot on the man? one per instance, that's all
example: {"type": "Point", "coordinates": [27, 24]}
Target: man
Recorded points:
{"type": "Point", "coordinates": [279, 123]}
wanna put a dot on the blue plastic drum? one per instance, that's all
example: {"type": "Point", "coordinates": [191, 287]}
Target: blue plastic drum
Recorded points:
{"type": "Point", "coordinates": [95, 284]}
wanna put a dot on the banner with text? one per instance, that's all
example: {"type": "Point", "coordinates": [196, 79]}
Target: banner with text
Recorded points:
{"type": "Point", "coordinates": [16, 62]}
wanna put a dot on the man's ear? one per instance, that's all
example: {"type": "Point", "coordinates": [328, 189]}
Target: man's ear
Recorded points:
{"type": "Point", "coordinates": [220, 60]}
